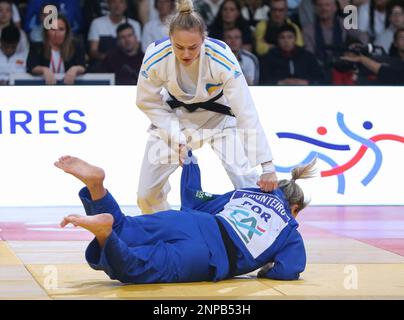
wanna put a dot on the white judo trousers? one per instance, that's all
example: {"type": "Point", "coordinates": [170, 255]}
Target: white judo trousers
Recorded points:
{"type": "Point", "coordinates": [160, 161]}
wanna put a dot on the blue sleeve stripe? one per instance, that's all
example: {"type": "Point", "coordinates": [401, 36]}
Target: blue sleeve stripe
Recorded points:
{"type": "Point", "coordinates": [167, 54]}
{"type": "Point", "coordinates": [218, 52]}
{"type": "Point", "coordinates": [168, 45]}
{"type": "Point", "coordinates": [218, 61]}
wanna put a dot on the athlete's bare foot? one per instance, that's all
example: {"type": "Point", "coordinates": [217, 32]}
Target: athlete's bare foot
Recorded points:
{"type": "Point", "coordinates": [100, 225]}
{"type": "Point", "coordinates": [91, 176]}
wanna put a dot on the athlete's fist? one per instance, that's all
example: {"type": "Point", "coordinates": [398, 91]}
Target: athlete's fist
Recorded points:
{"type": "Point", "coordinates": [183, 153]}
{"type": "Point", "coordinates": [268, 181]}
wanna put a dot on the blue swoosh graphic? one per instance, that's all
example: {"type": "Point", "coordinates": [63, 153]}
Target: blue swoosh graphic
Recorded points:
{"type": "Point", "coordinates": [313, 141]}
{"type": "Point", "coordinates": [370, 144]}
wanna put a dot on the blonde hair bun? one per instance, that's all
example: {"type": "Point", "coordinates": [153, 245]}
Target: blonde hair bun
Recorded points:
{"type": "Point", "coordinates": [185, 6]}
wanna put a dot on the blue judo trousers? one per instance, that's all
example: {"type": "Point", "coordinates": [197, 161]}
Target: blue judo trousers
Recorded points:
{"type": "Point", "coordinates": [212, 237]}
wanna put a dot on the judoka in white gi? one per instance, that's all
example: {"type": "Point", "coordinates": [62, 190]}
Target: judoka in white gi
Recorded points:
{"type": "Point", "coordinates": [192, 89]}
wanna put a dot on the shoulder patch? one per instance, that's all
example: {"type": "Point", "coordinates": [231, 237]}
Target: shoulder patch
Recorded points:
{"type": "Point", "coordinates": [212, 87]}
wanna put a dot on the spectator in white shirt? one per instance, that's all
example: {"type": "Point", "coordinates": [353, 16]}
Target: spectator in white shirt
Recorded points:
{"type": "Point", "coordinates": [102, 34]}
{"type": "Point", "coordinates": [157, 29]}
{"type": "Point", "coordinates": [248, 61]}
{"type": "Point", "coordinates": [10, 60]}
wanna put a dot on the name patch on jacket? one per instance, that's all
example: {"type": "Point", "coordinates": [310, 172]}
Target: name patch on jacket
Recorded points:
{"type": "Point", "coordinates": [258, 218]}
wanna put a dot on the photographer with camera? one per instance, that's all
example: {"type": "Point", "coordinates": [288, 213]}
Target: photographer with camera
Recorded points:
{"type": "Point", "coordinates": [328, 36]}
{"type": "Point", "coordinates": [389, 71]}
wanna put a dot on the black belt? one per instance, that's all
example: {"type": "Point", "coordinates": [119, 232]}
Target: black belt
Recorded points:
{"type": "Point", "coordinates": [230, 248]}
{"type": "Point", "coordinates": [209, 105]}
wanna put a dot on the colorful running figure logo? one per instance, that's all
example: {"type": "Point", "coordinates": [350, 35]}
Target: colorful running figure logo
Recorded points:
{"type": "Point", "coordinates": [336, 169]}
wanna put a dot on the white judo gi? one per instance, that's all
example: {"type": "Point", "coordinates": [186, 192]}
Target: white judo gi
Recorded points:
{"type": "Point", "coordinates": [238, 140]}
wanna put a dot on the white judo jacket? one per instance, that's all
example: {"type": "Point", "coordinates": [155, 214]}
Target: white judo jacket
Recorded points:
{"type": "Point", "coordinates": [218, 71]}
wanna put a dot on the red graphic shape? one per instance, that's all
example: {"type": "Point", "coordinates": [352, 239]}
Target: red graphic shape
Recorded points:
{"type": "Point", "coordinates": [322, 130]}
{"type": "Point", "coordinates": [358, 156]}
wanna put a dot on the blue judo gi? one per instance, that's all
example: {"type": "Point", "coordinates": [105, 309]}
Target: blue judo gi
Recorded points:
{"type": "Point", "coordinates": [212, 237]}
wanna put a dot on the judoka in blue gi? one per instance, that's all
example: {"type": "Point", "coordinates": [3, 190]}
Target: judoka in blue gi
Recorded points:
{"type": "Point", "coordinates": [212, 237]}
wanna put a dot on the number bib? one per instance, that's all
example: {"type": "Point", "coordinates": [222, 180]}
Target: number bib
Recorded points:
{"type": "Point", "coordinates": [258, 218]}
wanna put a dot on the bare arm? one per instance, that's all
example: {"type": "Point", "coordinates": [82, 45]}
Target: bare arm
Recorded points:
{"type": "Point", "coordinates": [72, 73]}
{"type": "Point", "coordinates": [46, 73]}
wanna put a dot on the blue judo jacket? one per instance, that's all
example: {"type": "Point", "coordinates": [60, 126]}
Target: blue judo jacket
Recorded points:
{"type": "Point", "coordinates": [260, 225]}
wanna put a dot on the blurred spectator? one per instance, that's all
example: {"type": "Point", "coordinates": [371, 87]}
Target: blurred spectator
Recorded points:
{"type": "Point", "coordinates": [6, 20]}
{"type": "Point", "coordinates": [255, 10]}
{"type": "Point", "coordinates": [287, 63]}
{"type": "Point", "coordinates": [328, 32]}
{"type": "Point", "coordinates": [306, 11]}
{"type": "Point", "coordinates": [69, 8]}
{"type": "Point", "coordinates": [36, 33]}
{"type": "Point", "coordinates": [267, 31]}
{"type": "Point", "coordinates": [248, 62]}
{"type": "Point", "coordinates": [208, 9]}
{"type": "Point", "coordinates": [398, 43]}
{"type": "Point", "coordinates": [229, 16]}
{"type": "Point", "coordinates": [388, 72]}
{"type": "Point", "coordinates": [59, 54]}
{"type": "Point", "coordinates": [372, 17]}
{"type": "Point", "coordinates": [157, 28]}
{"type": "Point", "coordinates": [94, 9]}
{"type": "Point", "coordinates": [147, 11]}
{"type": "Point", "coordinates": [102, 34]}
{"type": "Point", "coordinates": [10, 60]}
{"type": "Point", "coordinates": [395, 17]}
{"type": "Point", "coordinates": [126, 60]}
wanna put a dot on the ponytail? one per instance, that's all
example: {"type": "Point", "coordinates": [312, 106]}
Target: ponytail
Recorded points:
{"type": "Point", "coordinates": [292, 191]}
{"type": "Point", "coordinates": [304, 172]}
